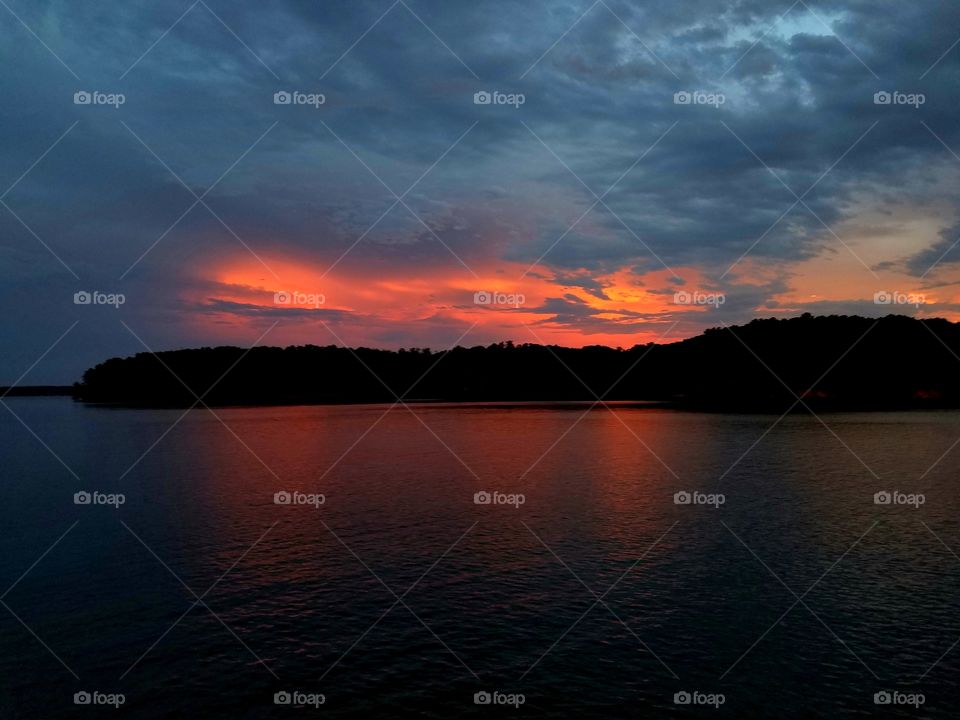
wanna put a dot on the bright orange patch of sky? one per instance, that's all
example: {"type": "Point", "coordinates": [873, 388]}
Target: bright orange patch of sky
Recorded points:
{"type": "Point", "coordinates": [407, 308]}
{"type": "Point", "coordinates": [433, 296]}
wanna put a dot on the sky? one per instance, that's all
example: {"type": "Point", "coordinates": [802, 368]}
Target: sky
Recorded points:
{"type": "Point", "coordinates": [427, 173]}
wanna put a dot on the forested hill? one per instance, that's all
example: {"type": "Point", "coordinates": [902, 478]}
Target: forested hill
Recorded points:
{"type": "Point", "coordinates": [832, 362]}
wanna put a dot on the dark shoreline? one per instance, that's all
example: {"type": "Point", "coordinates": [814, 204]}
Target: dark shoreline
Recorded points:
{"type": "Point", "coordinates": [835, 363]}
{"type": "Point", "coordinates": [37, 391]}
{"type": "Point", "coordinates": [545, 404]}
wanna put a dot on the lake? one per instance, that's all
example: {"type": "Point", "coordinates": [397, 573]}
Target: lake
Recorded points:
{"type": "Point", "coordinates": [437, 561]}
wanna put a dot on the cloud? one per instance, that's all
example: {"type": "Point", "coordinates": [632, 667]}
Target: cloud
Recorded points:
{"type": "Point", "coordinates": [598, 172]}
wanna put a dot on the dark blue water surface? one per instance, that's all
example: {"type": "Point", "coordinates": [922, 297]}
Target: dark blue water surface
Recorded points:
{"type": "Point", "coordinates": [400, 596]}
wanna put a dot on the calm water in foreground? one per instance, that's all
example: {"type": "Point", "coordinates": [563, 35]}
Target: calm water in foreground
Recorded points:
{"type": "Point", "coordinates": [400, 596]}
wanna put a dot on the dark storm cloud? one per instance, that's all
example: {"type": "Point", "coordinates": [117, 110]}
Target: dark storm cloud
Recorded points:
{"type": "Point", "coordinates": [274, 313]}
{"type": "Point", "coordinates": [941, 253]}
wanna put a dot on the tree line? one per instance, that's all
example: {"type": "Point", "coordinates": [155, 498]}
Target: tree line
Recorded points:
{"type": "Point", "coordinates": [826, 362]}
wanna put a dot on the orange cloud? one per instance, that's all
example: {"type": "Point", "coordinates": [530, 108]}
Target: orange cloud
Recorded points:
{"type": "Point", "coordinates": [620, 308]}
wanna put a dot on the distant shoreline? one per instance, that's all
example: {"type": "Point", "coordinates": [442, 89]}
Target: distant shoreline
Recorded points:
{"type": "Point", "coordinates": [679, 405]}
{"type": "Point", "coordinates": [36, 390]}
{"type": "Point", "coordinates": [674, 405]}
{"type": "Point", "coordinates": [834, 363]}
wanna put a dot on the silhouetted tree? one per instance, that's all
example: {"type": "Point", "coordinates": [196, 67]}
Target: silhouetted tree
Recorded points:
{"type": "Point", "coordinates": [834, 362]}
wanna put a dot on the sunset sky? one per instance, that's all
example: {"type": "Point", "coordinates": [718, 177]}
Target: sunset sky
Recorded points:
{"type": "Point", "coordinates": [737, 151]}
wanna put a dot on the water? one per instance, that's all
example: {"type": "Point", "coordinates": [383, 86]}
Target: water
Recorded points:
{"type": "Point", "coordinates": [492, 597]}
